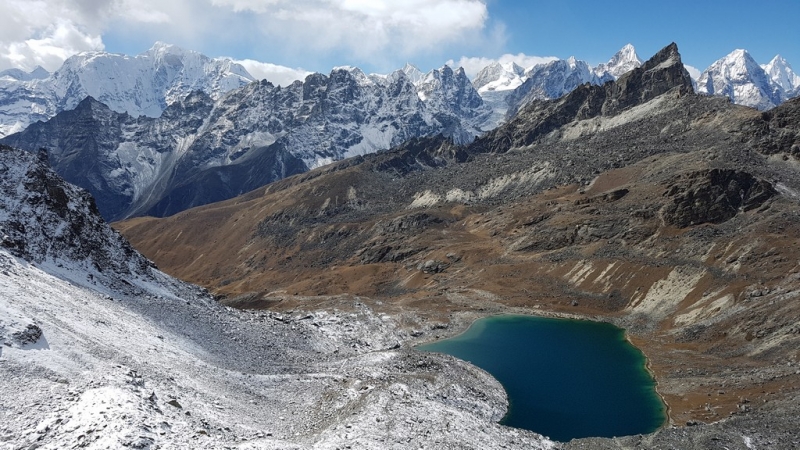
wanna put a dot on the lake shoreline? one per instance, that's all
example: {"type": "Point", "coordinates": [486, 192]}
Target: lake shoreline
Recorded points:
{"type": "Point", "coordinates": [463, 325]}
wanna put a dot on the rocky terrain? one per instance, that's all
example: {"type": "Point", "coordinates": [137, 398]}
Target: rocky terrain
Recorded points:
{"type": "Point", "coordinates": [98, 349]}
{"type": "Point", "coordinates": [637, 202]}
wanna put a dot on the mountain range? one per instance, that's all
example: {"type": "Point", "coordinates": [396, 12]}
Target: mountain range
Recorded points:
{"type": "Point", "coordinates": [171, 129]}
{"type": "Point", "coordinates": [636, 201]}
{"type": "Point", "coordinates": [200, 150]}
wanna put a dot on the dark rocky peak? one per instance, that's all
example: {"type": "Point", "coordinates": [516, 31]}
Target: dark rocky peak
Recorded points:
{"type": "Point", "coordinates": [662, 73]}
{"type": "Point", "coordinates": [313, 85]}
{"type": "Point", "coordinates": [45, 219]}
{"type": "Point", "coordinates": [658, 75]}
{"type": "Point", "coordinates": [90, 105]}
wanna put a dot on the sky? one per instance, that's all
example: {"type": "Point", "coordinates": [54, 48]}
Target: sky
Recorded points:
{"type": "Point", "coordinates": [283, 40]}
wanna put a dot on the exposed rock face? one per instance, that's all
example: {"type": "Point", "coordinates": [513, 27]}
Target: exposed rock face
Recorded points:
{"type": "Point", "coordinates": [42, 218]}
{"type": "Point", "coordinates": [658, 75]}
{"type": "Point", "coordinates": [200, 151]}
{"type": "Point", "coordinates": [662, 73]}
{"type": "Point", "coordinates": [777, 130]}
{"type": "Point", "coordinates": [714, 196]}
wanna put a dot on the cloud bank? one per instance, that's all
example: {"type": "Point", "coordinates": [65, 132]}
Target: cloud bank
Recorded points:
{"type": "Point", "coordinates": [275, 74]}
{"type": "Point", "coordinates": [46, 32]}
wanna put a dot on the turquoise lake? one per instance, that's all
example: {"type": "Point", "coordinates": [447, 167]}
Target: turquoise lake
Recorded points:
{"type": "Point", "coordinates": [564, 379]}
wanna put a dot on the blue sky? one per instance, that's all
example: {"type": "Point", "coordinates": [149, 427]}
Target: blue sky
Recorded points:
{"type": "Point", "coordinates": [285, 38]}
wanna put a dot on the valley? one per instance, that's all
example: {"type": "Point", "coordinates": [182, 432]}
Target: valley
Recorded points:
{"type": "Point", "coordinates": [640, 203]}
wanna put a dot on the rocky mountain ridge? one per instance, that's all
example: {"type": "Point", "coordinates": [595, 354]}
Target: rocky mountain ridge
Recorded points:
{"type": "Point", "coordinates": [200, 150]}
{"type": "Point", "coordinates": [509, 87]}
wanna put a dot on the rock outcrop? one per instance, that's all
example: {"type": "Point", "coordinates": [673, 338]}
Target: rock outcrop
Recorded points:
{"type": "Point", "coordinates": [713, 196]}
{"type": "Point", "coordinates": [43, 218]}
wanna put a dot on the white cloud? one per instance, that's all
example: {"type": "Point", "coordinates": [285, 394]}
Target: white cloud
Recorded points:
{"type": "Point", "coordinates": [377, 32]}
{"type": "Point", "coordinates": [55, 44]}
{"type": "Point", "coordinates": [365, 28]}
{"type": "Point", "coordinates": [694, 72]}
{"type": "Point", "coordinates": [277, 75]}
{"type": "Point", "coordinates": [473, 65]}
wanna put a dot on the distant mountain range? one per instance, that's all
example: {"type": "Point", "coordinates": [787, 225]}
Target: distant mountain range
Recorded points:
{"type": "Point", "coordinates": [202, 150]}
{"type": "Point", "coordinates": [160, 132]}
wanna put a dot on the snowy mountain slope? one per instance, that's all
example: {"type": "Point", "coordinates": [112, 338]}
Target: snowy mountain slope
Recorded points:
{"type": "Point", "coordinates": [507, 88]}
{"type": "Point", "coordinates": [782, 75]}
{"type": "Point", "coordinates": [622, 62]}
{"type": "Point", "coordinates": [494, 82]}
{"type": "Point", "coordinates": [99, 353]}
{"type": "Point", "coordinates": [39, 73]}
{"type": "Point", "coordinates": [200, 150]}
{"type": "Point", "coordinates": [139, 85]}
{"type": "Point", "coordinates": [739, 77]}
{"type": "Point", "coordinates": [550, 81]}
{"type": "Point", "coordinates": [499, 77]}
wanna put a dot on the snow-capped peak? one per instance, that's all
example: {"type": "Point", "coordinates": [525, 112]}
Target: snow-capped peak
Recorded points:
{"type": "Point", "coordinates": [413, 73]}
{"type": "Point", "coordinates": [139, 85]}
{"type": "Point", "coordinates": [38, 73]}
{"type": "Point", "coordinates": [739, 77]}
{"type": "Point", "coordinates": [161, 48]}
{"type": "Point", "coordinates": [499, 77]}
{"type": "Point", "coordinates": [622, 62]}
{"type": "Point", "coordinates": [782, 74]}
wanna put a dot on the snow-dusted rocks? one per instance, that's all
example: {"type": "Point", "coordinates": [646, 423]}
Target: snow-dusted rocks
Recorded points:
{"type": "Point", "coordinates": [139, 85]}
{"type": "Point", "coordinates": [46, 220]}
{"type": "Point", "coordinates": [101, 353]}
{"type": "Point", "coordinates": [200, 150]}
